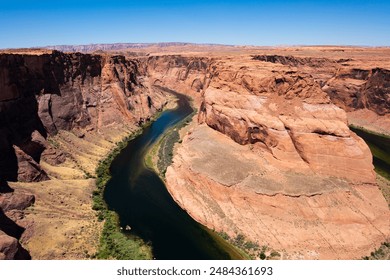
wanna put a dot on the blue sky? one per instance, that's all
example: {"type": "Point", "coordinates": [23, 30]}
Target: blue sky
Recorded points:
{"type": "Point", "coordinates": [41, 23]}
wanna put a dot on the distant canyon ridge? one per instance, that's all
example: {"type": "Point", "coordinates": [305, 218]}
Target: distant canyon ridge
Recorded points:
{"type": "Point", "coordinates": [269, 155]}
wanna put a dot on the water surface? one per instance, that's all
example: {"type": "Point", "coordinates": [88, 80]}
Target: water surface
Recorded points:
{"type": "Point", "coordinates": [142, 201]}
{"type": "Point", "coordinates": [380, 149]}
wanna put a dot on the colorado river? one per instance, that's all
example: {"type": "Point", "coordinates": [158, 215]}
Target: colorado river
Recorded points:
{"type": "Point", "coordinates": [142, 201]}
{"type": "Point", "coordinates": [380, 149]}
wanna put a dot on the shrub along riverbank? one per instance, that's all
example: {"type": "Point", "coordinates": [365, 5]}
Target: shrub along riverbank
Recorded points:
{"type": "Point", "coordinates": [114, 243]}
{"type": "Point", "coordinates": [160, 156]}
{"type": "Point", "coordinates": [163, 149]}
{"type": "Point", "coordinates": [118, 244]}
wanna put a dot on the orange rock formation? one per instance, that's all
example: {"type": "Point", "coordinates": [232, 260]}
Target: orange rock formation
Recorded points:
{"type": "Point", "coordinates": [270, 157]}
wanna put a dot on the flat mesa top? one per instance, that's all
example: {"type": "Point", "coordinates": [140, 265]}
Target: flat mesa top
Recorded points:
{"type": "Point", "coordinates": [32, 51]}
{"type": "Point", "coordinates": [348, 56]}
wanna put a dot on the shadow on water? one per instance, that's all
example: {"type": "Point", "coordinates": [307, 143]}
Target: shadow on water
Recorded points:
{"type": "Point", "coordinates": [142, 201]}
{"type": "Point", "coordinates": [380, 149]}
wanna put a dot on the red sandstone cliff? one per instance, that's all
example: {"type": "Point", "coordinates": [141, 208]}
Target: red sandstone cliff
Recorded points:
{"type": "Point", "coordinates": [42, 94]}
{"type": "Point", "coordinates": [45, 93]}
{"type": "Point", "coordinates": [271, 158]}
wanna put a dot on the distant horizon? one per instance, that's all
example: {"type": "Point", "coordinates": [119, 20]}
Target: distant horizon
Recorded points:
{"type": "Point", "coordinates": [220, 44]}
{"type": "Point", "coordinates": [31, 24]}
{"type": "Point", "coordinates": [199, 44]}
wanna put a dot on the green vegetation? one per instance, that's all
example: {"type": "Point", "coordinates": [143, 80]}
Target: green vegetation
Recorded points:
{"type": "Point", "coordinates": [382, 253]}
{"type": "Point", "coordinates": [164, 147]}
{"type": "Point", "coordinates": [165, 154]}
{"type": "Point", "coordinates": [251, 249]}
{"type": "Point", "coordinates": [234, 252]}
{"type": "Point", "coordinates": [114, 244]}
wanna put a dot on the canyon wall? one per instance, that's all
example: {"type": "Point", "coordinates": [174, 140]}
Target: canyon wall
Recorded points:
{"type": "Point", "coordinates": [59, 114]}
{"type": "Point", "coordinates": [350, 88]}
{"type": "Point", "coordinates": [356, 80]}
{"type": "Point", "coordinates": [186, 74]}
{"type": "Point", "coordinates": [273, 159]}
{"type": "Point", "coordinates": [42, 94]}
{"type": "Point", "coordinates": [269, 156]}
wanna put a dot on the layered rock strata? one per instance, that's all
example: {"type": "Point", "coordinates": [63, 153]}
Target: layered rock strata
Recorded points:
{"type": "Point", "coordinates": [356, 80]}
{"type": "Point", "coordinates": [43, 94]}
{"type": "Point", "coordinates": [59, 115]}
{"type": "Point", "coordinates": [273, 159]}
{"type": "Point", "coordinates": [271, 156]}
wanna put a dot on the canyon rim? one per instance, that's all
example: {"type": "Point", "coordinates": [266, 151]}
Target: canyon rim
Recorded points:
{"type": "Point", "coordinates": [269, 155]}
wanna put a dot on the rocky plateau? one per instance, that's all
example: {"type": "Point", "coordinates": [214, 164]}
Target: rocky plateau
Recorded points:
{"type": "Point", "coordinates": [269, 155]}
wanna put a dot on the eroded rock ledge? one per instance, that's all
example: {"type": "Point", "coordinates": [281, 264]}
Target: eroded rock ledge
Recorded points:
{"type": "Point", "coordinates": [59, 115]}
{"type": "Point", "coordinates": [272, 158]}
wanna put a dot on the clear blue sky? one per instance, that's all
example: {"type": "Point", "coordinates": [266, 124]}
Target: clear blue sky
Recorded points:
{"type": "Point", "coordinates": [41, 23]}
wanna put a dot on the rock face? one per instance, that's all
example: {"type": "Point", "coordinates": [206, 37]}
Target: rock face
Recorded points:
{"type": "Point", "coordinates": [185, 74]}
{"type": "Point", "coordinates": [290, 60]}
{"type": "Point", "coordinates": [12, 224]}
{"type": "Point", "coordinates": [355, 80]}
{"type": "Point", "coordinates": [293, 119]}
{"type": "Point", "coordinates": [271, 156]}
{"type": "Point", "coordinates": [42, 94]}
{"type": "Point", "coordinates": [301, 214]}
{"type": "Point", "coordinates": [350, 88]}
{"type": "Point", "coordinates": [28, 169]}
{"type": "Point", "coordinates": [369, 89]}
{"type": "Point", "coordinates": [273, 159]}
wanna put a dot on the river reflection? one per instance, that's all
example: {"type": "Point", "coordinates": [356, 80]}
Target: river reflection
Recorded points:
{"type": "Point", "coordinates": [142, 201]}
